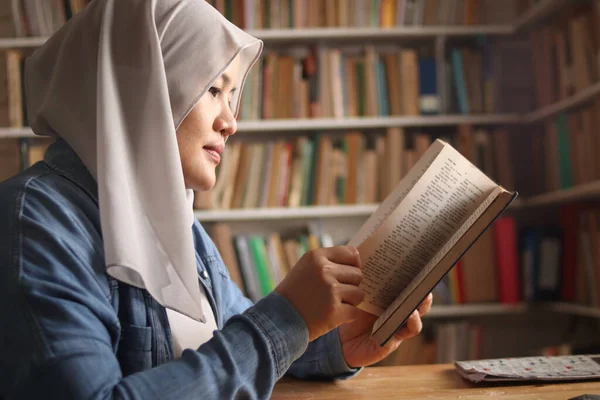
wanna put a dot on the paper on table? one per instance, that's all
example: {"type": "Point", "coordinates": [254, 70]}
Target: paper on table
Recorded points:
{"type": "Point", "coordinates": [531, 368]}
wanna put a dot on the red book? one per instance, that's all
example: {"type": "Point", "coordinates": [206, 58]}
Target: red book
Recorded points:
{"type": "Point", "coordinates": [569, 217]}
{"type": "Point", "coordinates": [459, 283]}
{"type": "Point", "coordinates": [507, 259]}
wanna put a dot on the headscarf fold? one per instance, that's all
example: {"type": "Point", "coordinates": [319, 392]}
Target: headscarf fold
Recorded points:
{"type": "Point", "coordinates": [115, 82]}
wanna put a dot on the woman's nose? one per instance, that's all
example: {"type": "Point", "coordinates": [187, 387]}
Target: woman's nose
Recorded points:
{"type": "Point", "coordinates": [226, 123]}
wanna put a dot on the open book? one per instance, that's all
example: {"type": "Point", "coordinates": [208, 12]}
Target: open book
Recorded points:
{"type": "Point", "coordinates": [420, 231]}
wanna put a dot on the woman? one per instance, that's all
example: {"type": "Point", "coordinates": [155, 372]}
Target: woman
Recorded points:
{"type": "Point", "coordinates": [110, 287]}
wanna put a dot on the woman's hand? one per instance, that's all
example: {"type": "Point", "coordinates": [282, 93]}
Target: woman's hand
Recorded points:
{"type": "Point", "coordinates": [323, 287]}
{"type": "Point", "coordinates": [360, 350]}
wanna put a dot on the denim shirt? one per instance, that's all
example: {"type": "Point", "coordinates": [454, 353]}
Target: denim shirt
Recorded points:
{"type": "Point", "coordinates": [70, 331]}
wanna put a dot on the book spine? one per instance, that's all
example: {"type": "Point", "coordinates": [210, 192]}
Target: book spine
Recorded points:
{"type": "Point", "coordinates": [569, 221]}
{"type": "Point", "coordinates": [507, 260]}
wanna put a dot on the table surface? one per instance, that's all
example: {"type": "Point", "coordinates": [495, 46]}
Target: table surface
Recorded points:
{"type": "Point", "coordinates": [438, 381]}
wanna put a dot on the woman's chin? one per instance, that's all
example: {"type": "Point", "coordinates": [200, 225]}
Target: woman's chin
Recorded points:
{"type": "Point", "coordinates": [204, 183]}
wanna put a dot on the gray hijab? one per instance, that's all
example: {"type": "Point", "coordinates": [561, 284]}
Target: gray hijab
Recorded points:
{"type": "Point", "coordinates": [115, 83]}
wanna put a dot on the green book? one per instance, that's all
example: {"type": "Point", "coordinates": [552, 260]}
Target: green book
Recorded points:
{"type": "Point", "coordinates": [340, 182]}
{"type": "Point", "coordinates": [308, 172]}
{"type": "Point", "coordinates": [228, 10]}
{"type": "Point", "coordinates": [259, 255]}
{"type": "Point", "coordinates": [303, 246]}
{"type": "Point", "coordinates": [266, 15]}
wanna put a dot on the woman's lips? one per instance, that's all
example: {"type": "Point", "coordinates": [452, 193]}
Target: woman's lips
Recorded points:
{"type": "Point", "coordinates": [213, 153]}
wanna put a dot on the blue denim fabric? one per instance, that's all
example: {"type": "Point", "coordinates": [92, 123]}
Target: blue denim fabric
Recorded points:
{"type": "Point", "coordinates": [69, 331]}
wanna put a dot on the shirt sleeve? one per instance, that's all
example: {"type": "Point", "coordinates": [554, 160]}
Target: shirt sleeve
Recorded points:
{"type": "Point", "coordinates": [60, 333]}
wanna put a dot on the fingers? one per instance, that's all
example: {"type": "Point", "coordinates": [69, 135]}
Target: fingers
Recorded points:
{"type": "Point", "coordinates": [346, 255]}
{"type": "Point", "coordinates": [425, 305]}
{"type": "Point", "coordinates": [347, 274]}
{"type": "Point", "coordinates": [411, 328]}
{"type": "Point", "coordinates": [351, 294]}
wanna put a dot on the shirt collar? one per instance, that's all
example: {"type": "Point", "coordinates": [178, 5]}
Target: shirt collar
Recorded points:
{"type": "Point", "coordinates": [61, 158]}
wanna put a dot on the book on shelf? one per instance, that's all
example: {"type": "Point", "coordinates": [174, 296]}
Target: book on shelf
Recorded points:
{"type": "Point", "coordinates": [10, 162]}
{"type": "Point", "coordinates": [257, 263]}
{"type": "Point", "coordinates": [374, 80]}
{"type": "Point", "coordinates": [438, 210]}
{"type": "Point", "coordinates": [565, 54]}
{"type": "Point", "coordinates": [578, 241]}
{"type": "Point", "coordinates": [561, 153]}
{"type": "Point", "coordinates": [17, 110]}
{"type": "Point", "coordinates": [541, 269]}
{"type": "Point", "coordinates": [353, 82]}
{"type": "Point", "coordinates": [43, 18]}
{"type": "Point", "coordinates": [298, 14]}
{"type": "Point", "coordinates": [18, 154]}
{"type": "Point", "coordinates": [344, 168]}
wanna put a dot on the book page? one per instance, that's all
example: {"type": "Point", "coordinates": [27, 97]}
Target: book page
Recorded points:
{"type": "Point", "coordinates": [437, 205]}
{"type": "Point", "coordinates": [422, 274]}
{"type": "Point", "coordinates": [393, 199]}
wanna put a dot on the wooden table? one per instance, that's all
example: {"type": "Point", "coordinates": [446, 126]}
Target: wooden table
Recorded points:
{"type": "Point", "coordinates": [424, 382]}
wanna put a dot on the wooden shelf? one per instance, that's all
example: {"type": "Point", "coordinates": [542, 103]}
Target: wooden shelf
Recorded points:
{"type": "Point", "coordinates": [316, 34]}
{"type": "Point", "coordinates": [319, 124]}
{"type": "Point", "coordinates": [495, 309]}
{"type": "Point", "coordinates": [283, 125]}
{"type": "Point", "coordinates": [575, 309]}
{"type": "Point", "coordinates": [279, 213]}
{"type": "Point", "coordinates": [579, 99]}
{"type": "Point", "coordinates": [476, 310]}
{"type": "Point", "coordinates": [576, 193]}
{"type": "Point", "coordinates": [537, 14]}
{"type": "Point", "coordinates": [353, 34]}
{"type": "Point", "coordinates": [12, 133]}
{"type": "Point", "coordinates": [21, 42]}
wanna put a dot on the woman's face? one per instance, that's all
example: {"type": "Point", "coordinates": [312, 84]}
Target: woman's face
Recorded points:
{"type": "Point", "coordinates": [201, 135]}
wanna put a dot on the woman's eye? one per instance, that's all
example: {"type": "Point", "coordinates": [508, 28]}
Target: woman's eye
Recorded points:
{"type": "Point", "coordinates": [214, 91]}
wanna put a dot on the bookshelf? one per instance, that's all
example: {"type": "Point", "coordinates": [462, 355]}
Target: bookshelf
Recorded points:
{"type": "Point", "coordinates": [538, 14]}
{"type": "Point", "coordinates": [577, 193]}
{"type": "Point", "coordinates": [581, 192]}
{"type": "Point", "coordinates": [585, 96]}
{"type": "Point", "coordinates": [342, 219]}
